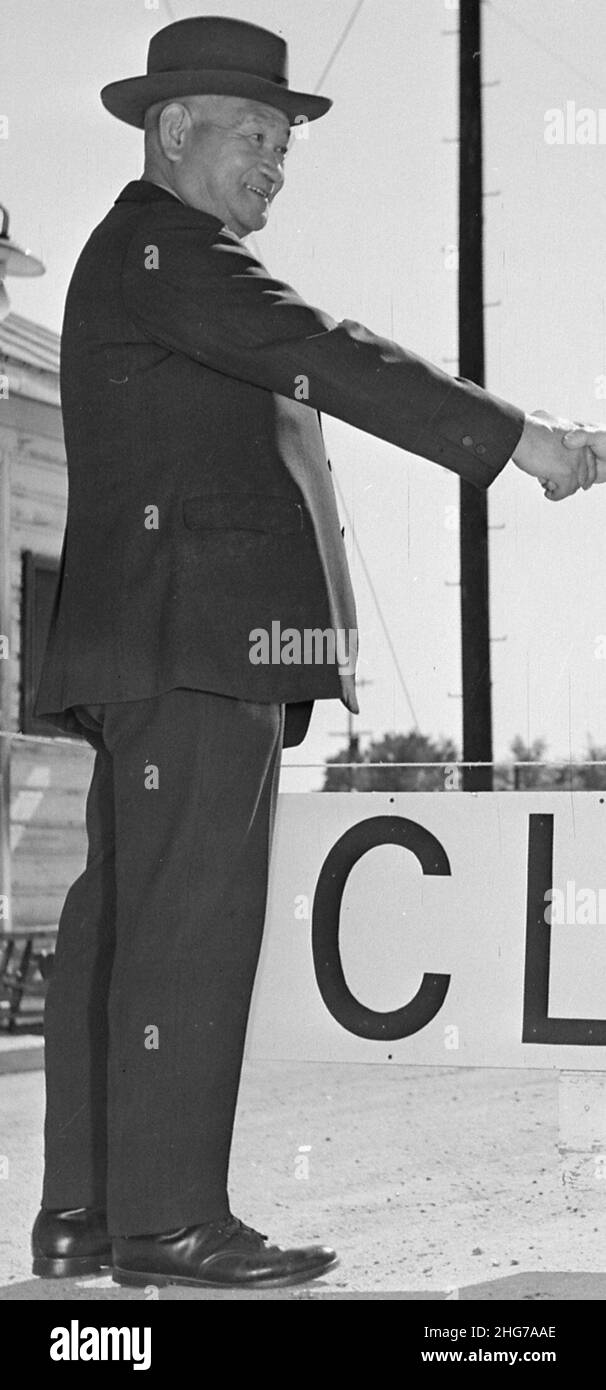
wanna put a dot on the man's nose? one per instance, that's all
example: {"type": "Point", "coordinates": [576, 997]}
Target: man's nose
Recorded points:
{"type": "Point", "coordinates": [273, 170]}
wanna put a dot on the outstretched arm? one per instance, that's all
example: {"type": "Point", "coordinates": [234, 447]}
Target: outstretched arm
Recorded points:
{"type": "Point", "coordinates": [210, 298]}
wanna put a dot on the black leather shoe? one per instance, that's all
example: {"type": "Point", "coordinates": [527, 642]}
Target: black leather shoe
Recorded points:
{"type": "Point", "coordinates": [65, 1243]}
{"type": "Point", "coordinates": [219, 1254]}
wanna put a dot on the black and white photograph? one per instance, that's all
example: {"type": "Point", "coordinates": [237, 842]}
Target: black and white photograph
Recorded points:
{"type": "Point", "coordinates": [303, 668]}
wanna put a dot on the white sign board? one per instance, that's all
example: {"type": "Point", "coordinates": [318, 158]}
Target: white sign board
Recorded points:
{"type": "Point", "coordinates": [448, 928]}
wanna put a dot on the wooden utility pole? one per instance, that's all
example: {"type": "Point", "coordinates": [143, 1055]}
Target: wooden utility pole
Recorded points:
{"type": "Point", "coordinates": [473, 532]}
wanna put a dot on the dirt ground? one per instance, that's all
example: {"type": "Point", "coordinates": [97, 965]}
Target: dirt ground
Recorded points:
{"type": "Point", "coordinates": [431, 1183]}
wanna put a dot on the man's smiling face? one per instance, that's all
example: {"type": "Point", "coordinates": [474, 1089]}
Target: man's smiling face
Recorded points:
{"type": "Point", "coordinates": [226, 156]}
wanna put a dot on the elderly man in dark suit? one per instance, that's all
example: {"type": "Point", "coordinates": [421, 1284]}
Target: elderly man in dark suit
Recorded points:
{"type": "Point", "coordinates": [201, 510]}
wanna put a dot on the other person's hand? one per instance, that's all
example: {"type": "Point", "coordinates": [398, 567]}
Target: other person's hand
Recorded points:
{"type": "Point", "coordinates": [593, 436]}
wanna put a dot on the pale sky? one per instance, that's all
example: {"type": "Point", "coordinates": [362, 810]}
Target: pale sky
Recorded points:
{"type": "Point", "coordinates": [362, 229]}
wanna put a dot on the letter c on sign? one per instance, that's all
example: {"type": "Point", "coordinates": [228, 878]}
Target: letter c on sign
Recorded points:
{"type": "Point", "coordinates": [341, 1003]}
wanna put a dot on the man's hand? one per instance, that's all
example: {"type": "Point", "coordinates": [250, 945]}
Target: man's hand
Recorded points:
{"type": "Point", "coordinates": [541, 453]}
{"type": "Point", "coordinates": [594, 437]}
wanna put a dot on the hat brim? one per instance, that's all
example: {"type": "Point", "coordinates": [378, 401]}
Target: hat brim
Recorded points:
{"type": "Point", "coordinates": [128, 100]}
{"type": "Point", "coordinates": [14, 261]}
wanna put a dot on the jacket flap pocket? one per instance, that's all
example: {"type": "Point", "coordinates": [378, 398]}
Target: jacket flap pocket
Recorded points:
{"type": "Point", "coordinates": [243, 512]}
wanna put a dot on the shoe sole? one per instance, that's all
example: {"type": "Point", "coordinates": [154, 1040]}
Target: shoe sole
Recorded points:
{"type": "Point", "coordinates": [139, 1279]}
{"type": "Point", "coordinates": [50, 1268]}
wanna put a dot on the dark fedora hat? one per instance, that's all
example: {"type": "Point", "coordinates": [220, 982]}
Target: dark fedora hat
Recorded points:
{"type": "Point", "coordinates": [215, 57]}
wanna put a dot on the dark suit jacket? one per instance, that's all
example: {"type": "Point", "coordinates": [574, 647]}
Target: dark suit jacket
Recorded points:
{"type": "Point", "coordinates": [192, 384]}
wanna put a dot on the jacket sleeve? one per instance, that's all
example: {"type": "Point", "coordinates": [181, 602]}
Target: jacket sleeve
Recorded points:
{"type": "Point", "coordinates": [209, 298]}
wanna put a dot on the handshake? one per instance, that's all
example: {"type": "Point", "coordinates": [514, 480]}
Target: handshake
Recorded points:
{"type": "Point", "coordinates": [563, 456]}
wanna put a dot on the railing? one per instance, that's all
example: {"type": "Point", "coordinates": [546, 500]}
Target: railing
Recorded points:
{"type": "Point", "coordinates": [501, 769]}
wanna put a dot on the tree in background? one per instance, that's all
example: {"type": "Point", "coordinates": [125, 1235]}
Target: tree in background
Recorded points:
{"type": "Point", "coordinates": [392, 748]}
{"type": "Point", "coordinates": [522, 779]}
{"type": "Point", "coordinates": [594, 778]}
{"type": "Point", "coordinates": [419, 748]}
{"type": "Point", "coordinates": [558, 776]}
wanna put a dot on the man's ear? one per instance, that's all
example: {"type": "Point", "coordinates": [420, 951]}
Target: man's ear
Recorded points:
{"type": "Point", "coordinates": [173, 127]}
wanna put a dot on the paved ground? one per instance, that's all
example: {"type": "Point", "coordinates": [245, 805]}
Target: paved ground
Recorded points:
{"type": "Point", "coordinates": [436, 1183]}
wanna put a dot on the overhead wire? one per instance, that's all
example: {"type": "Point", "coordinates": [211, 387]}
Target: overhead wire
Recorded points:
{"type": "Point", "coordinates": [338, 46]}
{"type": "Point", "coordinates": [545, 48]}
{"type": "Point", "coordinates": [375, 598]}
{"type": "Point", "coordinates": [378, 608]}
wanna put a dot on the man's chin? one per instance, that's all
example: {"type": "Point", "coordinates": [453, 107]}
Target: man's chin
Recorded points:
{"type": "Point", "coordinates": [244, 229]}
{"type": "Point", "coordinates": [260, 222]}
{"type": "Point", "coordinates": [254, 227]}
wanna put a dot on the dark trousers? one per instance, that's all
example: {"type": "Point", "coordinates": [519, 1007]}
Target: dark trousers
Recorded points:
{"type": "Point", "coordinates": [157, 949]}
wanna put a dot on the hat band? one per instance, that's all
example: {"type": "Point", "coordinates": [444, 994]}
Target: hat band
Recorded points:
{"type": "Point", "coordinates": [278, 78]}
